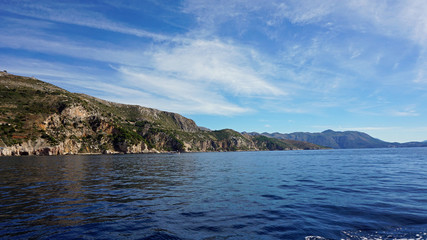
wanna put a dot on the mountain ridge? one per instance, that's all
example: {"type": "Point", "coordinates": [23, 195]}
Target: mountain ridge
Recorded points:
{"type": "Point", "coordinates": [38, 118]}
{"type": "Point", "coordinates": [339, 139]}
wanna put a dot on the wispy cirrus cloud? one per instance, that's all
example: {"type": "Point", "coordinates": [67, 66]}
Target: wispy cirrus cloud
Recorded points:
{"type": "Point", "coordinates": [401, 22]}
{"type": "Point", "coordinates": [129, 86]}
{"type": "Point", "coordinates": [174, 94]}
{"type": "Point", "coordinates": [61, 46]}
{"type": "Point", "coordinates": [206, 76]}
{"type": "Point", "coordinates": [221, 65]}
{"type": "Point", "coordinates": [189, 75]}
{"type": "Point", "coordinates": [408, 111]}
{"type": "Point", "coordinates": [82, 14]}
{"type": "Point", "coordinates": [28, 66]}
{"type": "Point", "coordinates": [398, 18]}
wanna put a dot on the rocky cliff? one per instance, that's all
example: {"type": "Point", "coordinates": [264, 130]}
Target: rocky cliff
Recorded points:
{"type": "Point", "coordinates": [37, 118]}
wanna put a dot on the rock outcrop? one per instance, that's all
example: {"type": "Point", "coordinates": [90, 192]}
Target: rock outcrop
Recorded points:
{"type": "Point", "coordinates": [37, 118]}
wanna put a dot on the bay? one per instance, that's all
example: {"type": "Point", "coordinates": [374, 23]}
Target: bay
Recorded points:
{"type": "Point", "coordinates": [322, 194]}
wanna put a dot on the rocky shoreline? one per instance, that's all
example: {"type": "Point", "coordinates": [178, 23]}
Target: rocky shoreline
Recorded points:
{"type": "Point", "coordinates": [38, 118]}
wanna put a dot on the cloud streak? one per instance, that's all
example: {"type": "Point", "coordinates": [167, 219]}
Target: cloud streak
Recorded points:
{"type": "Point", "coordinates": [174, 94]}
{"type": "Point", "coordinates": [218, 64]}
{"type": "Point", "coordinates": [77, 14]}
{"type": "Point", "coordinates": [203, 75]}
{"type": "Point", "coordinates": [402, 18]}
{"type": "Point", "coordinates": [193, 76]}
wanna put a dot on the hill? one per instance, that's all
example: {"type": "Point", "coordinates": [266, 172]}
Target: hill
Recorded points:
{"type": "Point", "coordinates": [38, 118]}
{"type": "Point", "coordinates": [334, 139]}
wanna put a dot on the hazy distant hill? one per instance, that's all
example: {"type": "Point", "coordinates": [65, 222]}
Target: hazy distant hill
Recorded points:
{"type": "Point", "coordinates": [347, 139]}
{"type": "Point", "coordinates": [37, 118]}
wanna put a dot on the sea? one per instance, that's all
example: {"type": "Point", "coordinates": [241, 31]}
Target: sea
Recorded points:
{"type": "Point", "coordinates": [309, 195]}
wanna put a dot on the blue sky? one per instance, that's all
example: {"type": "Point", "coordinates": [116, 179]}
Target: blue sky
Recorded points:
{"type": "Point", "coordinates": [265, 66]}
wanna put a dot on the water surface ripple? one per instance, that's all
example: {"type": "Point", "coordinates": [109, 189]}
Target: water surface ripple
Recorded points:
{"type": "Point", "coordinates": [327, 194]}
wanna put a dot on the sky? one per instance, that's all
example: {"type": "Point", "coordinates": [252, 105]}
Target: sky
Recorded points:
{"type": "Point", "coordinates": [265, 66]}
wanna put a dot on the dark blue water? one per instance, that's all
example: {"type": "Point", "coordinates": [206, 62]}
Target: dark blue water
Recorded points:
{"type": "Point", "coordinates": [328, 194]}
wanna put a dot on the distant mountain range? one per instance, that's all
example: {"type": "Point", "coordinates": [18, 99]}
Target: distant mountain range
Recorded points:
{"type": "Point", "coordinates": [340, 140]}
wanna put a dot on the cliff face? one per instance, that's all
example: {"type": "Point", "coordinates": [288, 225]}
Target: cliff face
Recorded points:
{"type": "Point", "coordinates": [37, 118]}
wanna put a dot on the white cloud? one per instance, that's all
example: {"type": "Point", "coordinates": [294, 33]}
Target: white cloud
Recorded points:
{"type": "Point", "coordinates": [77, 14]}
{"type": "Point", "coordinates": [176, 94]}
{"type": "Point", "coordinates": [211, 13]}
{"type": "Point", "coordinates": [272, 13]}
{"type": "Point", "coordinates": [93, 50]}
{"type": "Point", "coordinates": [191, 75]}
{"type": "Point", "coordinates": [421, 76]}
{"type": "Point", "coordinates": [421, 71]}
{"type": "Point", "coordinates": [217, 64]}
{"type": "Point", "coordinates": [45, 69]}
{"type": "Point", "coordinates": [406, 19]}
{"type": "Point", "coordinates": [304, 12]}
{"type": "Point", "coordinates": [404, 113]}
{"type": "Point", "coordinates": [134, 87]}
{"type": "Point", "coordinates": [109, 91]}
{"type": "Point", "coordinates": [203, 76]}
{"type": "Point", "coordinates": [403, 19]}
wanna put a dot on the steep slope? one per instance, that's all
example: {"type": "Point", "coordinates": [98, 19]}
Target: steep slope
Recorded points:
{"type": "Point", "coordinates": [42, 119]}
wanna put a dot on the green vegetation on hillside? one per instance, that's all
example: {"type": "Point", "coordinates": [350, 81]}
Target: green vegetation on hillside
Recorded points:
{"type": "Point", "coordinates": [36, 116]}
